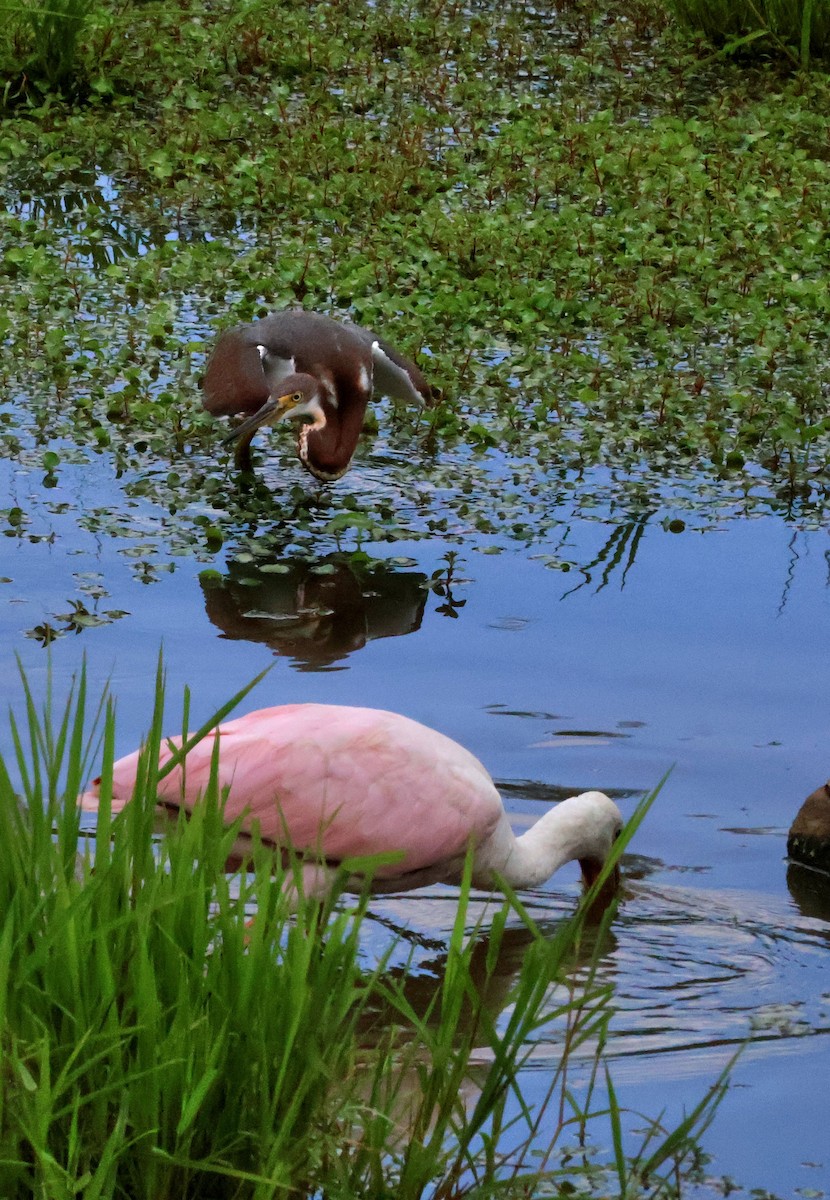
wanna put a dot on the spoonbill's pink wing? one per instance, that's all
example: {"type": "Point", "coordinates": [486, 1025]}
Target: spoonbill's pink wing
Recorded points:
{"type": "Point", "coordinates": [341, 781]}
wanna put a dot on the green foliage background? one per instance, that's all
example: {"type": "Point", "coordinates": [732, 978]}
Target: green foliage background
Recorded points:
{"type": "Point", "coordinates": [608, 249]}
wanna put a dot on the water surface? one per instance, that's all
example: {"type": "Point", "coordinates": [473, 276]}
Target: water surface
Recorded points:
{"type": "Point", "coordinates": [698, 655]}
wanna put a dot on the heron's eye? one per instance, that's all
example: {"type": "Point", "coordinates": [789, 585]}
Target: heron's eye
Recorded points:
{"type": "Point", "coordinates": [297, 397]}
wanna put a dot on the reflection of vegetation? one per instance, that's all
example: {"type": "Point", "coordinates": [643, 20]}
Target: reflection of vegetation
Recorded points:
{"type": "Point", "coordinates": [85, 212]}
{"type": "Point", "coordinates": [156, 1043]}
{"type": "Point", "coordinates": [621, 547]}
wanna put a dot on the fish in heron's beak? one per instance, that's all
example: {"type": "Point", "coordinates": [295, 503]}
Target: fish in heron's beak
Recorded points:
{"type": "Point", "coordinates": [272, 411]}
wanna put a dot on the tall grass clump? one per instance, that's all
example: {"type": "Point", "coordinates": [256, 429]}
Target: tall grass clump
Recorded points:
{"type": "Point", "coordinates": [41, 42]}
{"type": "Point", "coordinates": [799, 29]}
{"type": "Point", "coordinates": [156, 1043]}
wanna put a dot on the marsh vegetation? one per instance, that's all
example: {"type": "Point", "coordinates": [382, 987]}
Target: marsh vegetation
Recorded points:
{"type": "Point", "coordinates": [603, 237]}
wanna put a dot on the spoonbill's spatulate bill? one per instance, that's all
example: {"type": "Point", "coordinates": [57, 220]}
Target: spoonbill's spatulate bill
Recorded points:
{"type": "Point", "coordinates": [338, 782]}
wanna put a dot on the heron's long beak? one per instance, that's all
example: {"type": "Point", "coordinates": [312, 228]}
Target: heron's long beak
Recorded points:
{"type": "Point", "coordinates": [272, 411]}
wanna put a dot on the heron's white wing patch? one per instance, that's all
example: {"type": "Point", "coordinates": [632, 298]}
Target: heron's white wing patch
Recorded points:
{"type": "Point", "coordinates": [390, 379]}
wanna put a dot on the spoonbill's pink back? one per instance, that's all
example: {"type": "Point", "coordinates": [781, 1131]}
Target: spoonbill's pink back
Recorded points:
{"type": "Point", "coordinates": [339, 782]}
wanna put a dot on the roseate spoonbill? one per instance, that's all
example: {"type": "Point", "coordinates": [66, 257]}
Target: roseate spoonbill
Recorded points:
{"type": "Point", "coordinates": [300, 365]}
{"type": "Point", "coordinates": [337, 782]}
{"type": "Point", "coordinates": [809, 839]}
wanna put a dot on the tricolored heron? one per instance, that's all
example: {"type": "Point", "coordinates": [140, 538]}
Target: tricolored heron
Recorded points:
{"type": "Point", "coordinates": [299, 365]}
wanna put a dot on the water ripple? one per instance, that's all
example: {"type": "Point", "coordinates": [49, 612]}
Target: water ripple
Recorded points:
{"type": "Point", "coordinates": [695, 974]}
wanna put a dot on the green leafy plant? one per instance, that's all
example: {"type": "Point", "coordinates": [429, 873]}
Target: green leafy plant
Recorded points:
{"type": "Point", "coordinates": [651, 223]}
{"type": "Point", "coordinates": [49, 53]}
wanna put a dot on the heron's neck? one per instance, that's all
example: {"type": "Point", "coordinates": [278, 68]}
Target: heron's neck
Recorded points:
{"type": "Point", "coordinates": [327, 446]}
{"type": "Point", "coordinates": [321, 452]}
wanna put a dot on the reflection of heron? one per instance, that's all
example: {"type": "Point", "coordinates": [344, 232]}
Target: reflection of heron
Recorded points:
{"type": "Point", "coordinates": [305, 365]}
{"type": "Point", "coordinates": [338, 783]}
{"type": "Point", "coordinates": [315, 613]}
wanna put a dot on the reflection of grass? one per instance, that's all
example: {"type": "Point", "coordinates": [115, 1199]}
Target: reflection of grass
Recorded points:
{"type": "Point", "coordinates": [154, 1044]}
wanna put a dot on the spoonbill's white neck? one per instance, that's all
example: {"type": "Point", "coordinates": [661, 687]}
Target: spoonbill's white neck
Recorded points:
{"type": "Point", "coordinates": [582, 828]}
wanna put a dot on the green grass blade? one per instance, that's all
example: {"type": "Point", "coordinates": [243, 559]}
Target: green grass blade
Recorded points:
{"type": "Point", "coordinates": [178, 754]}
{"type": "Point", "coordinates": [617, 1137]}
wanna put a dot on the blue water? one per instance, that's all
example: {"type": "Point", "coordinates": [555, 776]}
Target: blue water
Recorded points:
{"type": "Point", "coordinates": [705, 658]}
